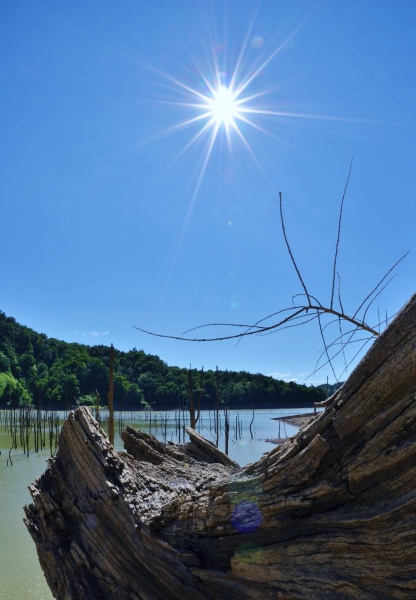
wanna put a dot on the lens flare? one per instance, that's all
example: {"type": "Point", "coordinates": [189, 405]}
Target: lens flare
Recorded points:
{"type": "Point", "coordinates": [246, 517]}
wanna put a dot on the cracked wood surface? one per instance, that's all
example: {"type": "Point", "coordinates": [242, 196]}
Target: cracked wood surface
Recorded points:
{"type": "Point", "coordinates": [331, 513]}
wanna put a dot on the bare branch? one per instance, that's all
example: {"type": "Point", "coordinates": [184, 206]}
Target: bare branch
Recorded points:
{"type": "Point", "coordinates": [323, 353]}
{"type": "Point", "coordinates": [378, 294]}
{"type": "Point", "coordinates": [355, 355]}
{"type": "Point", "coordinates": [379, 283]}
{"type": "Point", "coordinates": [256, 324]}
{"type": "Point", "coordinates": [320, 310]}
{"type": "Point", "coordinates": [219, 339]}
{"type": "Point", "coordinates": [303, 322]}
{"type": "Point", "coordinates": [326, 348]}
{"type": "Point", "coordinates": [345, 317]}
{"type": "Point", "coordinates": [339, 235]}
{"type": "Point", "coordinates": [289, 249]}
{"type": "Point", "coordinates": [309, 296]}
{"type": "Point", "coordinates": [342, 344]}
{"type": "Point", "coordinates": [223, 325]}
{"type": "Point", "coordinates": [339, 292]}
{"type": "Point", "coordinates": [309, 309]}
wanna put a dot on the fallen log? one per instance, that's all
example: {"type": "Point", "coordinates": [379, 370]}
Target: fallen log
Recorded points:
{"type": "Point", "coordinates": [331, 513]}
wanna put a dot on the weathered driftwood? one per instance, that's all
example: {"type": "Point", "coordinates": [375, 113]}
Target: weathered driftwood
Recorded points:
{"type": "Point", "coordinates": [329, 514]}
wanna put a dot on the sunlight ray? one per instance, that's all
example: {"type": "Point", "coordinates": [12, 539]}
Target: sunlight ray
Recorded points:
{"type": "Point", "coordinates": [312, 116]}
{"type": "Point", "coordinates": [195, 138]}
{"type": "Point", "coordinates": [243, 50]}
{"type": "Point", "coordinates": [208, 153]}
{"type": "Point", "coordinates": [254, 158]}
{"type": "Point", "coordinates": [244, 84]}
{"type": "Point", "coordinates": [203, 168]}
{"type": "Point", "coordinates": [255, 126]}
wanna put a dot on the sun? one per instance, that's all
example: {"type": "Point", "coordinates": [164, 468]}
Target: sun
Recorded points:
{"type": "Point", "coordinates": [224, 98]}
{"type": "Point", "coordinates": [224, 107]}
{"type": "Point", "coordinates": [222, 102]}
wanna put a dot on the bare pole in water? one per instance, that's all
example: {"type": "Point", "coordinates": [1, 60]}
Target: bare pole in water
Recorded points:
{"type": "Point", "coordinates": [97, 405]}
{"type": "Point", "coordinates": [217, 402]}
{"type": "Point", "coordinates": [111, 398]}
{"type": "Point", "coordinates": [191, 398]}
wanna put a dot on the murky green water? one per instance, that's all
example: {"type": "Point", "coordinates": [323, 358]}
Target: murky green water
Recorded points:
{"type": "Point", "coordinates": [21, 577]}
{"type": "Point", "coordinates": [20, 574]}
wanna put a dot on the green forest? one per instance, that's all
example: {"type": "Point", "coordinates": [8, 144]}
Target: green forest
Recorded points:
{"type": "Point", "coordinates": [43, 372]}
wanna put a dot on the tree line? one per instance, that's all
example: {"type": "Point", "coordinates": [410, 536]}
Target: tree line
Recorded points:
{"type": "Point", "coordinates": [44, 372]}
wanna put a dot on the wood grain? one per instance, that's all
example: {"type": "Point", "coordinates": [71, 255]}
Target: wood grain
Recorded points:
{"type": "Point", "coordinates": [331, 513]}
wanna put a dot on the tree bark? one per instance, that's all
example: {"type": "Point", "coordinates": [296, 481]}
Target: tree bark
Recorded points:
{"type": "Point", "coordinates": [329, 514]}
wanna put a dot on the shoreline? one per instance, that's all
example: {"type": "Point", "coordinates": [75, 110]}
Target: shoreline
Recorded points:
{"type": "Point", "coordinates": [299, 421]}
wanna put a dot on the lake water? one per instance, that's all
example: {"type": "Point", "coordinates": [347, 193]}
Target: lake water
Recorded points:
{"type": "Point", "coordinates": [21, 577]}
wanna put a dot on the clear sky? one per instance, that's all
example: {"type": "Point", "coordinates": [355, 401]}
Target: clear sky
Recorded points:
{"type": "Point", "coordinates": [144, 146]}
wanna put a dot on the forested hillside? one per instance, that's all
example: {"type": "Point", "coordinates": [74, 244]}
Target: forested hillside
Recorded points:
{"type": "Point", "coordinates": [41, 371]}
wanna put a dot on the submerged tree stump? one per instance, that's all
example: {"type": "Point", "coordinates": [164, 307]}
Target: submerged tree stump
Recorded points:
{"type": "Point", "coordinates": [329, 514]}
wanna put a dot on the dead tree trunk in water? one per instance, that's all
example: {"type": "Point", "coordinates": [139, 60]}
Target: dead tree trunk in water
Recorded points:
{"type": "Point", "coordinates": [111, 397]}
{"type": "Point", "coordinates": [329, 514]}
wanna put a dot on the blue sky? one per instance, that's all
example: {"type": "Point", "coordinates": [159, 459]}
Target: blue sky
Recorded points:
{"type": "Point", "coordinates": [119, 208]}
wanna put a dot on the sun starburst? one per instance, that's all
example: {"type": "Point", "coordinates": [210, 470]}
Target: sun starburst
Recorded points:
{"type": "Point", "coordinates": [226, 97]}
{"type": "Point", "coordinates": [224, 106]}
{"type": "Point", "coordinates": [218, 104]}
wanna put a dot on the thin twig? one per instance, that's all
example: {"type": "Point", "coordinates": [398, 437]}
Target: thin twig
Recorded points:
{"type": "Point", "coordinates": [326, 348]}
{"type": "Point", "coordinates": [339, 235]}
{"type": "Point", "coordinates": [289, 249]}
{"type": "Point", "coordinates": [339, 293]}
{"type": "Point", "coordinates": [219, 339]}
{"type": "Point", "coordinates": [311, 309]}
{"type": "Point", "coordinates": [316, 369]}
{"type": "Point", "coordinates": [223, 325]}
{"type": "Point", "coordinates": [356, 354]}
{"type": "Point", "coordinates": [342, 345]}
{"type": "Point", "coordinates": [308, 296]}
{"type": "Point", "coordinates": [378, 294]}
{"type": "Point", "coordinates": [303, 309]}
{"type": "Point", "coordinates": [379, 283]}
{"type": "Point", "coordinates": [304, 322]}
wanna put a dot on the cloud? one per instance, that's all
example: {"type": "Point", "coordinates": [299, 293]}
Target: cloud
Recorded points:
{"type": "Point", "coordinates": [314, 382]}
{"type": "Point", "coordinates": [91, 333]}
{"type": "Point", "coordinates": [299, 378]}
{"type": "Point", "coordinates": [284, 376]}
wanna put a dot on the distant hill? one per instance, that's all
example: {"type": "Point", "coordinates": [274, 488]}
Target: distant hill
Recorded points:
{"type": "Point", "coordinates": [39, 371]}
